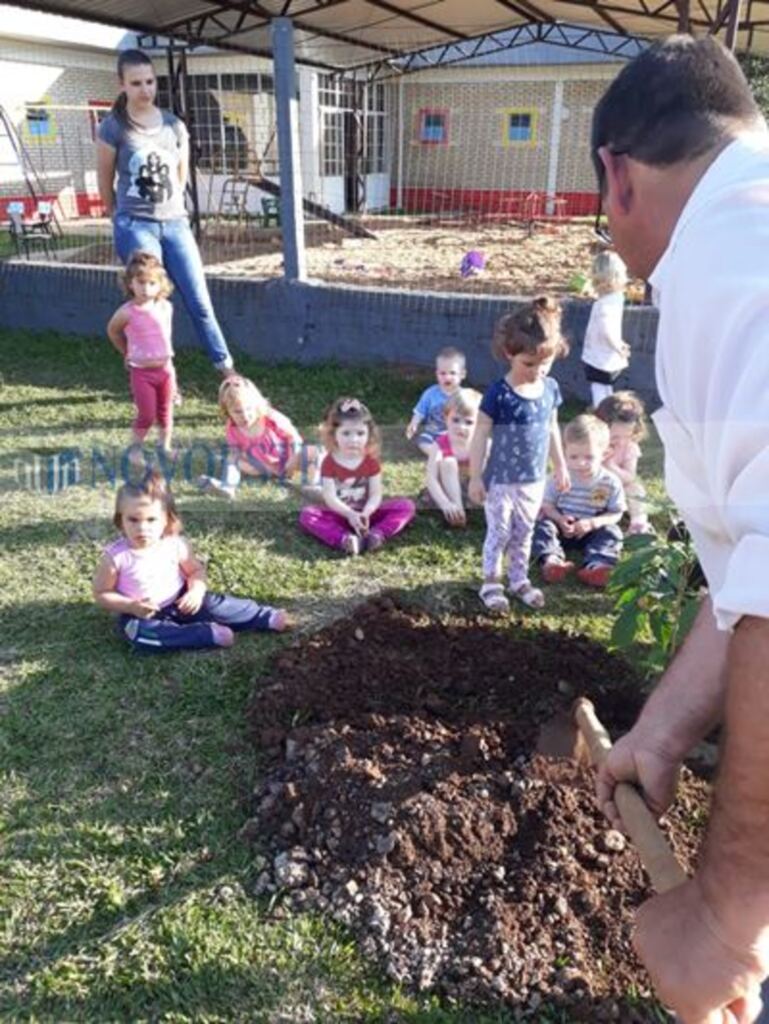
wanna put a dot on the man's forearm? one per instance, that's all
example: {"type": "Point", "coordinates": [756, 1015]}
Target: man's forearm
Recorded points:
{"type": "Point", "coordinates": [735, 869]}
{"type": "Point", "coordinates": [689, 699]}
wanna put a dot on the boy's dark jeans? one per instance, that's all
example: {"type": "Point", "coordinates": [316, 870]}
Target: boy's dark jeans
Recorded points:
{"type": "Point", "coordinates": [600, 547]}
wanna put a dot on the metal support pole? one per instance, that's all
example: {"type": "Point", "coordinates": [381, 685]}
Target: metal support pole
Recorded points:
{"type": "Point", "coordinates": [180, 103]}
{"type": "Point", "coordinates": [192, 173]}
{"type": "Point", "coordinates": [287, 116]}
{"type": "Point", "coordinates": [734, 23]}
{"type": "Point", "coordinates": [684, 22]}
{"type": "Point", "coordinates": [555, 148]}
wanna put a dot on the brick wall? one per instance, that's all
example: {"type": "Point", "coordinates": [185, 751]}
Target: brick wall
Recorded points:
{"type": "Point", "coordinates": [575, 169]}
{"type": "Point", "coordinates": [61, 76]}
{"type": "Point", "coordinates": [475, 157]}
{"type": "Point", "coordinates": [309, 322]}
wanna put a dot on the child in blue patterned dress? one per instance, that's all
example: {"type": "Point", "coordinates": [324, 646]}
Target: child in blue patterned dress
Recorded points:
{"type": "Point", "coordinates": [519, 417]}
{"type": "Point", "coordinates": [427, 421]}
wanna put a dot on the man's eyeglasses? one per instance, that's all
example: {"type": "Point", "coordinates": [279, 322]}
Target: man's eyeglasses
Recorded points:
{"type": "Point", "coordinates": [601, 227]}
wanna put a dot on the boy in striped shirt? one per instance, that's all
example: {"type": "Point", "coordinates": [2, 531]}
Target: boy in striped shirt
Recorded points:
{"type": "Point", "coordinates": [586, 516]}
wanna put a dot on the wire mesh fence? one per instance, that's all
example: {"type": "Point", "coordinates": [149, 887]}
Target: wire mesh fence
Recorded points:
{"type": "Point", "coordinates": [473, 178]}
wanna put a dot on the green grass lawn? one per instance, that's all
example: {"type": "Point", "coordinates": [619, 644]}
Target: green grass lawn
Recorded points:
{"type": "Point", "coordinates": [125, 890]}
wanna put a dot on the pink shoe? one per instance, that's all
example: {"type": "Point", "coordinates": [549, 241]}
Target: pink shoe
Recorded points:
{"type": "Point", "coordinates": [223, 635]}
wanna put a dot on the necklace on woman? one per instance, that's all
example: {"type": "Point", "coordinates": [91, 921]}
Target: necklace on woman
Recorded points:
{"type": "Point", "coordinates": [146, 121]}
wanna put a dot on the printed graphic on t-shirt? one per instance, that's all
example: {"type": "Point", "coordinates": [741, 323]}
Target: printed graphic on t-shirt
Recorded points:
{"type": "Point", "coordinates": [352, 485]}
{"type": "Point", "coordinates": [353, 490]}
{"type": "Point", "coordinates": [599, 496]}
{"type": "Point", "coordinates": [150, 176]}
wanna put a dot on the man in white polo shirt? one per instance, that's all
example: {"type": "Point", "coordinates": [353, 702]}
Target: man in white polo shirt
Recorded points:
{"type": "Point", "coordinates": [682, 154]}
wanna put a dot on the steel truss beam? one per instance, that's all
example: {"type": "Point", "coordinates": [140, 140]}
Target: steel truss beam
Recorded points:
{"type": "Point", "coordinates": [573, 37]}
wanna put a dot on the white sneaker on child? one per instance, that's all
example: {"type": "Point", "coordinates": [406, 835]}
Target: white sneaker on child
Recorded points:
{"type": "Point", "coordinates": [210, 485]}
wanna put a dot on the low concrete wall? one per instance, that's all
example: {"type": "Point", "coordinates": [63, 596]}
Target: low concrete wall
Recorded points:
{"type": "Point", "coordinates": [274, 320]}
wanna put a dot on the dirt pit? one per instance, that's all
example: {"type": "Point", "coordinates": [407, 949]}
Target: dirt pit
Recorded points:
{"type": "Point", "coordinates": [422, 254]}
{"type": "Point", "coordinates": [402, 796]}
{"type": "Point", "coordinates": [412, 252]}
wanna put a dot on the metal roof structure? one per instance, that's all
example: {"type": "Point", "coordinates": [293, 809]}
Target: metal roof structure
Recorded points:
{"type": "Point", "coordinates": [342, 35]}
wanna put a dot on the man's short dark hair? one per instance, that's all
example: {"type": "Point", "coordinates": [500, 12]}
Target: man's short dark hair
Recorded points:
{"type": "Point", "coordinates": [674, 102]}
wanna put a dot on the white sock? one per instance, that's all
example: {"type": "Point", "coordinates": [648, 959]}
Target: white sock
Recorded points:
{"type": "Point", "coordinates": [231, 475]}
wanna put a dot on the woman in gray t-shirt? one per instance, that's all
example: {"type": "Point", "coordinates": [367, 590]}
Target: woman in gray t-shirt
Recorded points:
{"type": "Point", "coordinates": [147, 149]}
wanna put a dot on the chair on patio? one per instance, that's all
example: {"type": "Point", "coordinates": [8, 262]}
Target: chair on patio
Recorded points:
{"type": "Point", "coordinates": [26, 234]}
{"type": "Point", "coordinates": [270, 211]}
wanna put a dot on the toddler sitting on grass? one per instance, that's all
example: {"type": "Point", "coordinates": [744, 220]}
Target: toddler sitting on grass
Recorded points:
{"type": "Point", "coordinates": [262, 441]}
{"type": "Point", "coordinates": [585, 516]}
{"type": "Point", "coordinates": [448, 464]}
{"type": "Point", "coordinates": [427, 421]}
{"type": "Point", "coordinates": [150, 578]}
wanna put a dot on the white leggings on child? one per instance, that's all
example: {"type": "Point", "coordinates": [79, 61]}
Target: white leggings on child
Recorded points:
{"type": "Point", "coordinates": [599, 391]}
{"type": "Point", "coordinates": [511, 512]}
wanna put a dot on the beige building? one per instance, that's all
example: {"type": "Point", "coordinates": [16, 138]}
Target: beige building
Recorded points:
{"type": "Point", "coordinates": [486, 137]}
{"type": "Point", "coordinates": [52, 96]}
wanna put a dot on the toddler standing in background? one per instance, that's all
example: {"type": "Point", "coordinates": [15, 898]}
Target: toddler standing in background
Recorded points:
{"type": "Point", "coordinates": [584, 516]}
{"type": "Point", "coordinates": [519, 415]}
{"type": "Point", "coordinates": [356, 517]}
{"type": "Point", "coordinates": [448, 464]}
{"type": "Point", "coordinates": [624, 414]}
{"type": "Point", "coordinates": [427, 419]}
{"type": "Point", "coordinates": [262, 441]}
{"type": "Point", "coordinates": [153, 581]}
{"type": "Point", "coordinates": [604, 353]}
{"type": "Point", "coordinates": [141, 332]}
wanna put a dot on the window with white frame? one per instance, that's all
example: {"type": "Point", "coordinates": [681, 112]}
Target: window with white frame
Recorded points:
{"type": "Point", "coordinates": [376, 129]}
{"type": "Point", "coordinates": [332, 143]}
{"type": "Point", "coordinates": [337, 97]}
{"type": "Point", "coordinates": [229, 131]}
{"type": "Point", "coordinates": [376, 162]}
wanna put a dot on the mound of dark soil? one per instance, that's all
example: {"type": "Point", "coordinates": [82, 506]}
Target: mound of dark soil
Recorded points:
{"type": "Point", "coordinates": [403, 796]}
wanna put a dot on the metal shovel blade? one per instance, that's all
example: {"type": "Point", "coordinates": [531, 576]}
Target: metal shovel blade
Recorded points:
{"type": "Point", "coordinates": [560, 737]}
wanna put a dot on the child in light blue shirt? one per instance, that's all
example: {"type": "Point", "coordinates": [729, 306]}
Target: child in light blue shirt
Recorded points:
{"type": "Point", "coordinates": [428, 421]}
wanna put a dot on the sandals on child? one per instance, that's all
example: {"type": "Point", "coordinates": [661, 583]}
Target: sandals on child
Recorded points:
{"type": "Point", "coordinates": [493, 597]}
{"type": "Point", "coordinates": [530, 595]}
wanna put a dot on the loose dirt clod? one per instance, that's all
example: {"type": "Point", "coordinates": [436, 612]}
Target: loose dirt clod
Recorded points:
{"type": "Point", "coordinates": [414, 809]}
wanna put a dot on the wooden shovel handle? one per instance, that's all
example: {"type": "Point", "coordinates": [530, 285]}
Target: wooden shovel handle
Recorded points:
{"type": "Point", "coordinates": [656, 855]}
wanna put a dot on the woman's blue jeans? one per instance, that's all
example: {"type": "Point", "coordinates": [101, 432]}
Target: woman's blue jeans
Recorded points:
{"type": "Point", "coordinates": [173, 242]}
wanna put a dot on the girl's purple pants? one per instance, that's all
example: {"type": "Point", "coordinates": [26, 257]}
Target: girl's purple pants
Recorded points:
{"type": "Point", "coordinates": [331, 528]}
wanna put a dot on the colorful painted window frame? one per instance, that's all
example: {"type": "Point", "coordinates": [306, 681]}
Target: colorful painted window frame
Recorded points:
{"type": "Point", "coordinates": [519, 126]}
{"type": "Point", "coordinates": [39, 121]}
{"type": "Point", "coordinates": [433, 126]}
